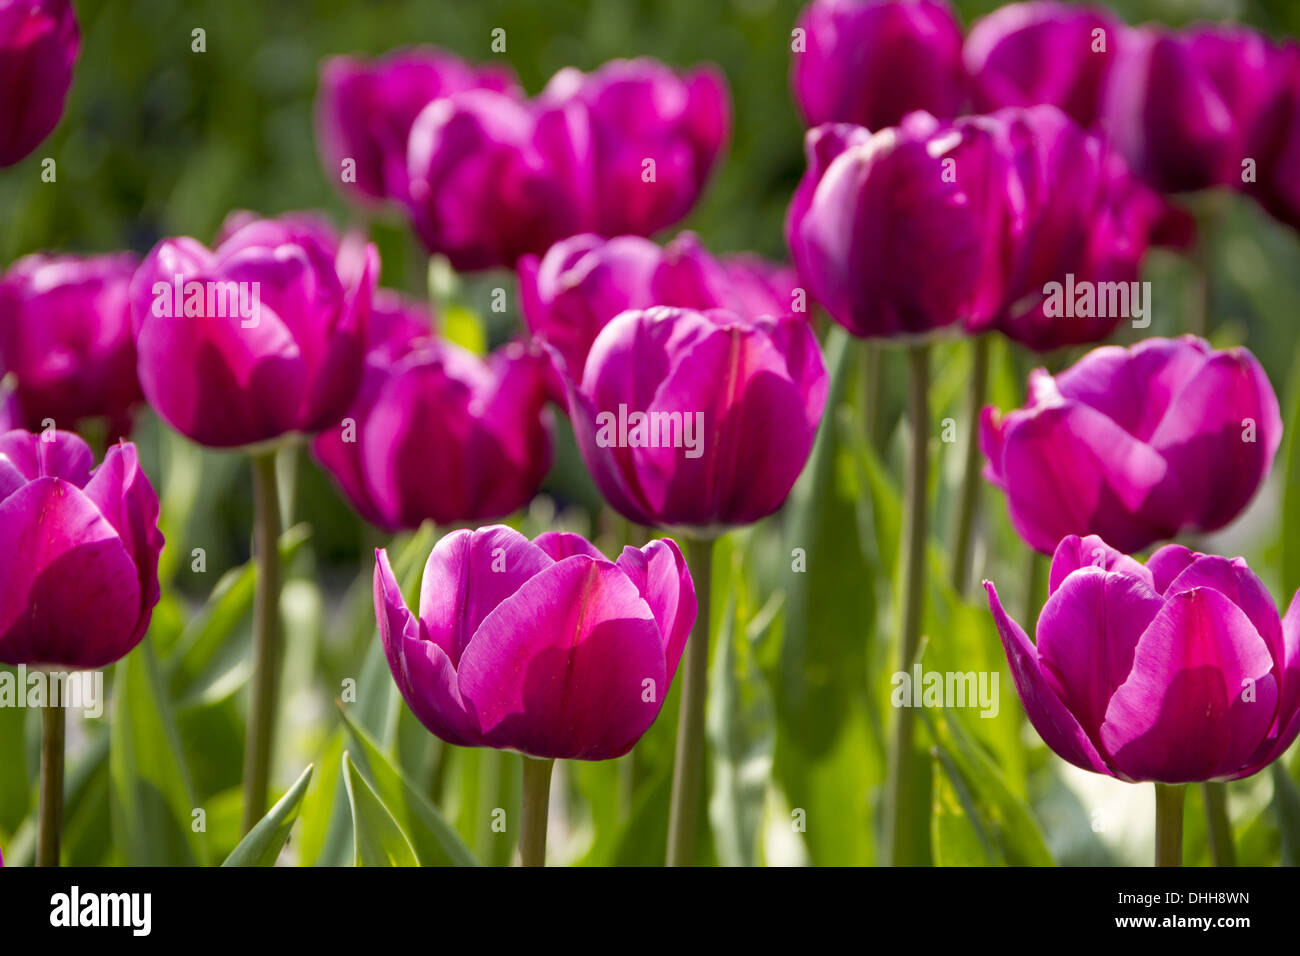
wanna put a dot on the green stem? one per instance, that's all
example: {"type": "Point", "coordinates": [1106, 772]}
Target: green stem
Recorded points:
{"type": "Point", "coordinates": [536, 807]}
{"type": "Point", "coordinates": [1034, 588]}
{"type": "Point", "coordinates": [900, 798]}
{"type": "Point", "coordinates": [1215, 794]}
{"type": "Point", "coordinates": [873, 392]}
{"type": "Point", "coordinates": [689, 766]}
{"type": "Point", "coordinates": [963, 535]}
{"type": "Point", "coordinates": [266, 639]}
{"type": "Point", "coordinates": [1169, 823]}
{"type": "Point", "coordinates": [53, 735]}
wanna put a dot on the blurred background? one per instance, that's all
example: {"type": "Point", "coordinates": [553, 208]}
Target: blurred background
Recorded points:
{"type": "Point", "coordinates": [158, 140]}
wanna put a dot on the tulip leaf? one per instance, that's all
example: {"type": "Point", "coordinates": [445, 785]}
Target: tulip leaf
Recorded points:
{"type": "Point", "coordinates": [378, 840]}
{"type": "Point", "coordinates": [17, 779]}
{"type": "Point", "coordinates": [153, 806]}
{"type": "Point", "coordinates": [958, 836]}
{"type": "Point", "coordinates": [262, 845]}
{"type": "Point", "coordinates": [326, 835]}
{"type": "Point", "coordinates": [433, 839]}
{"type": "Point", "coordinates": [1286, 807]}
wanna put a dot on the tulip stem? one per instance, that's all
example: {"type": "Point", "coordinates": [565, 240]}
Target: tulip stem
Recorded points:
{"type": "Point", "coordinates": [1215, 794]}
{"type": "Point", "coordinates": [963, 535]}
{"type": "Point", "coordinates": [901, 799]}
{"type": "Point", "coordinates": [266, 639]}
{"type": "Point", "coordinates": [1169, 823]}
{"type": "Point", "coordinates": [53, 735]}
{"type": "Point", "coordinates": [536, 810]}
{"type": "Point", "coordinates": [873, 392]}
{"type": "Point", "coordinates": [689, 766]}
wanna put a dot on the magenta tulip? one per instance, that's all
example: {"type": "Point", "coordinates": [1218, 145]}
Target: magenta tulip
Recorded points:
{"type": "Point", "coordinates": [653, 137]}
{"type": "Point", "coordinates": [79, 555]}
{"type": "Point", "coordinates": [1182, 106]}
{"type": "Point", "coordinates": [365, 109]}
{"type": "Point", "coordinates": [871, 62]}
{"type": "Point", "coordinates": [895, 233]}
{"type": "Point", "coordinates": [1043, 52]}
{"type": "Point", "coordinates": [1136, 445]}
{"type": "Point", "coordinates": [581, 283]}
{"type": "Point", "coordinates": [65, 334]}
{"type": "Point", "coordinates": [259, 338]}
{"type": "Point", "coordinates": [438, 433]}
{"type": "Point", "coordinates": [1177, 671]}
{"type": "Point", "coordinates": [39, 40]}
{"type": "Point", "coordinates": [698, 420]}
{"type": "Point", "coordinates": [544, 647]}
{"type": "Point", "coordinates": [1273, 142]}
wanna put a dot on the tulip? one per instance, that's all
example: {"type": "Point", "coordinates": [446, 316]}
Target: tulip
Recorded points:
{"type": "Point", "coordinates": [702, 421]}
{"type": "Point", "coordinates": [573, 292]}
{"type": "Point", "coordinates": [256, 339]}
{"type": "Point", "coordinates": [1181, 106]}
{"type": "Point", "coordinates": [871, 62]}
{"type": "Point", "coordinates": [365, 109]}
{"type": "Point", "coordinates": [80, 573]}
{"type": "Point", "coordinates": [65, 334]}
{"type": "Point", "coordinates": [1043, 52]}
{"type": "Point", "coordinates": [39, 40]}
{"type": "Point", "coordinates": [1273, 141]}
{"type": "Point", "coordinates": [1177, 671]}
{"type": "Point", "coordinates": [492, 179]}
{"type": "Point", "coordinates": [438, 433]}
{"type": "Point", "coordinates": [698, 420]}
{"type": "Point", "coordinates": [1136, 445]}
{"type": "Point", "coordinates": [544, 647]}
{"type": "Point", "coordinates": [259, 339]}
{"type": "Point", "coordinates": [654, 138]}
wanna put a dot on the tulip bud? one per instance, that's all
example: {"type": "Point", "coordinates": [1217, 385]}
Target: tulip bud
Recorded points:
{"type": "Point", "coordinates": [39, 40]}
{"type": "Point", "coordinates": [261, 337]}
{"type": "Point", "coordinates": [871, 62]}
{"type": "Point", "coordinates": [581, 283]}
{"type": "Point", "coordinates": [1136, 445]}
{"type": "Point", "coordinates": [365, 109]}
{"type": "Point", "coordinates": [79, 551]}
{"type": "Point", "coordinates": [544, 646]}
{"type": "Point", "coordinates": [1043, 52]}
{"type": "Point", "coordinates": [65, 334]}
{"type": "Point", "coordinates": [699, 420]}
{"type": "Point", "coordinates": [1177, 671]}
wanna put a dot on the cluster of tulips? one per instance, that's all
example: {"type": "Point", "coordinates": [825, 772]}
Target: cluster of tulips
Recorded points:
{"type": "Point", "coordinates": [914, 220]}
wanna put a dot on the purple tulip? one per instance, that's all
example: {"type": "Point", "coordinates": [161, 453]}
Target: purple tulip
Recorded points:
{"type": "Point", "coordinates": [1176, 672]}
{"type": "Point", "coordinates": [1273, 141]}
{"type": "Point", "coordinates": [654, 137]}
{"type": "Point", "coordinates": [437, 433]}
{"type": "Point", "coordinates": [259, 338]}
{"type": "Point", "coordinates": [365, 109]}
{"type": "Point", "coordinates": [894, 232]}
{"type": "Point", "coordinates": [545, 646]}
{"type": "Point", "coordinates": [1044, 52]}
{"type": "Point", "coordinates": [39, 41]}
{"type": "Point", "coordinates": [1136, 445]}
{"type": "Point", "coordinates": [1181, 106]}
{"type": "Point", "coordinates": [492, 179]}
{"type": "Point", "coordinates": [65, 334]}
{"type": "Point", "coordinates": [871, 62]}
{"type": "Point", "coordinates": [79, 551]}
{"type": "Point", "coordinates": [581, 283]}
{"type": "Point", "coordinates": [698, 420]}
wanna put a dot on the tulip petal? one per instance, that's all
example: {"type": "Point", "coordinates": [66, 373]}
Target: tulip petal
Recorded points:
{"type": "Point", "coordinates": [69, 592]}
{"type": "Point", "coordinates": [1087, 634]}
{"type": "Point", "coordinates": [1053, 721]}
{"type": "Point", "coordinates": [1180, 716]}
{"type": "Point", "coordinates": [564, 544]}
{"type": "Point", "coordinates": [1091, 551]}
{"type": "Point", "coordinates": [560, 668]}
{"type": "Point", "coordinates": [1235, 581]}
{"type": "Point", "coordinates": [661, 576]}
{"type": "Point", "coordinates": [424, 674]}
{"type": "Point", "coordinates": [1167, 563]}
{"type": "Point", "coordinates": [467, 575]}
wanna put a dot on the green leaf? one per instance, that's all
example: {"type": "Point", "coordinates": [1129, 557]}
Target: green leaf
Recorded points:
{"type": "Point", "coordinates": [326, 835]}
{"type": "Point", "coordinates": [152, 800]}
{"type": "Point", "coordinates": [1286, 806]}
{"type": "Point", "coordinates": [958, 837]}
{"type": "Point", "coordinates": [16, 780]}
{"type": "Point", "coordinates": [264, 842]}
{"type": "Point", "coordinates": [379, 841]}
{"type": "Point", "coordinates": [434, 841]}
